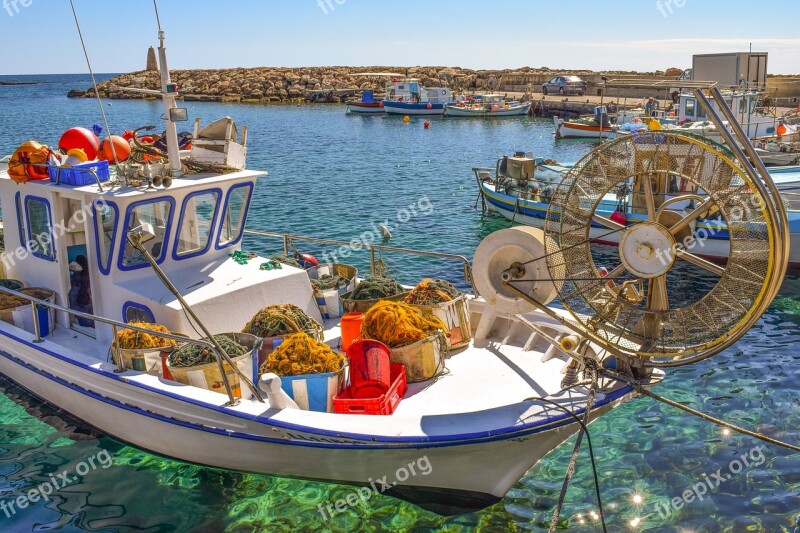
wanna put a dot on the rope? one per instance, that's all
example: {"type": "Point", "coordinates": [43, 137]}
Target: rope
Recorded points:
{"type": "Point", "coordinates": [574, 459]}
{"type": "Point", "coordinates": [376, 287]}
{"type": "Point", "coordinates": [642, 390]}
{"type": "Point", "coordinates": [281, 319]}
{"type": "Point", "coordinates": [195, 354]}
{"type": "Point", "coordinates": [94, 82]}
{"type": "Point", "coordinates": [432, 291]}
{"type": "Point", "coordinates": [299, 354]}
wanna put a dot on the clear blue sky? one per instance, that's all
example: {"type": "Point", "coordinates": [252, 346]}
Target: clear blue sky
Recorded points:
{"type": "Point", "coordinates": [621, 34]}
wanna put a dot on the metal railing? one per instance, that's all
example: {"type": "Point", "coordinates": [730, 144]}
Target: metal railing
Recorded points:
{"type": "Point", "coordinates": [115, 324]}
{"type": "Point", "coordinates": [289, 238]}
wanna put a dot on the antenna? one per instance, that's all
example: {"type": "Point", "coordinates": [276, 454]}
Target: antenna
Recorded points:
{"type": "Point", "coordinates": [168, 93]}
{"type": "Point", "coordinates": [94, 82]}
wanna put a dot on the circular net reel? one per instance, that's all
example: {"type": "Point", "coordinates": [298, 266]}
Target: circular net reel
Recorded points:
{"type": "Point", "coordinates": [683, 196]}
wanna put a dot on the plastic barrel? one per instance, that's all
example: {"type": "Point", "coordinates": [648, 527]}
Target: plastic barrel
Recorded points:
{"type": "Point", "coordinates": [351, 328]}
{"type": "Point", "coordinates": [369, 368]}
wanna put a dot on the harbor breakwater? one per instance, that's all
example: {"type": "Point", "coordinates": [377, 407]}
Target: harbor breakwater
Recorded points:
{"type": "Point", "coordinates": [335, 84]}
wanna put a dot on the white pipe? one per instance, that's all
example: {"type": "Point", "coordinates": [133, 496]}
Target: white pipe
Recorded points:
{"type": "Point", "coordinates": [169, 103]}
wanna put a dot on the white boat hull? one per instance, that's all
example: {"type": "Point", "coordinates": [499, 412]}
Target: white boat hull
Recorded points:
{"type": "Point", "coordinates": [513, 111]}
{"type": "Point", "coordinates": [192, 431]}
{"type": "Point", "coordinates": [365, 110]}
{"type": "Point", "coordinates": [572, 130]}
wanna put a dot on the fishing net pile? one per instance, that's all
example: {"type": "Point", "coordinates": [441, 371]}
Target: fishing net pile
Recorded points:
{"type": "Point", "coordinates": [375, 288]}
{"type": "Point", "coordinates": [328, 281]}
{"type": "Point", "coordinates": [9, 301]}
{"type": "Point", "coordinates": [129, 339]}
{"type": "Point", "coordinates": [280, 319]}
{"type": "Point", "coordinates": [195, 354]}
{"type": "Point", "coordinates": [285, 259]}
{"type": "Point", "coordinates": [299, 354]}
{"type": "Point", "coordinates": [432, 291]}
{"type": "Point", "coordinates": [397, 324]}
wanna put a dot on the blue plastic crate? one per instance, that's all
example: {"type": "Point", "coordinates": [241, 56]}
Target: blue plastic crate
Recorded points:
{"type": "Point", "coordinates": [70, 176]}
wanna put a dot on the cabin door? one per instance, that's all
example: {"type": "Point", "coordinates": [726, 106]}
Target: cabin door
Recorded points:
{"type": "Point", "coordinates": [79, 267]}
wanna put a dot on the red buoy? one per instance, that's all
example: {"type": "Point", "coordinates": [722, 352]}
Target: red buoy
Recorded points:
{"type": "Point", "coordinates": [121, 147]}
{"type": "Point", "coordinates": [426, 124]}
{"type": "Point", "coordinates": [127, 135]}
{"type": "Point", "coordinates": [429, 106]}
{"type": "Point", "coordinates": [82, 138]}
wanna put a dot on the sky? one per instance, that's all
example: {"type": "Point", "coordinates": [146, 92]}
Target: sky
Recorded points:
{"type": "Point", "coordinates": [642, 35]}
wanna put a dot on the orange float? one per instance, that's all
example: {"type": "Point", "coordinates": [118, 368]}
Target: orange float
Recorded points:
{"type": "Point", "coordinates": [82, 138]}
{"type": "Point", "coordinates": [120, 146]}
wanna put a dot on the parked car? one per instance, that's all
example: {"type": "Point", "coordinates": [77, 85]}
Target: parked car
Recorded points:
{"type": "Point", "coordinates": [564, 85]}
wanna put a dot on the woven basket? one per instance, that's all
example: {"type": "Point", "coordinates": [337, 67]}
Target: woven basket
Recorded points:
{"type": "Point", "coordinates": [455, 315]}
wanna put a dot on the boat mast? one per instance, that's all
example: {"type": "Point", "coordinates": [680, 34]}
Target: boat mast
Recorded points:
{"type": "Point", "coordinates": [168, 93]}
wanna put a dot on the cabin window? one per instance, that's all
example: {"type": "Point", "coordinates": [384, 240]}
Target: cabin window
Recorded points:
{"type": "Point", "coordinates": [690, 107]}
{"type": "Point", "coordinates": [234, 215]}
{"type": "Point", "coordinates": [196, 223]}
{"type": "Point", "coordinates": [158, 213]}
{"type": "Point", "coordinates": [133, 312]}
{"type": "Point", "coordinates": [105, 232]}
{"type": "Point", "coordinates": [40, 228]}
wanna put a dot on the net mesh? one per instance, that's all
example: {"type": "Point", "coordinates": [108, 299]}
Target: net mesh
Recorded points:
{"type": "Point", "coordinates": [674, 165]}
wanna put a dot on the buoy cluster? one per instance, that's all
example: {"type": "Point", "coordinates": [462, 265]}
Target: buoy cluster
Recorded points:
{"type": "Point", "coordinates": [76, 146]}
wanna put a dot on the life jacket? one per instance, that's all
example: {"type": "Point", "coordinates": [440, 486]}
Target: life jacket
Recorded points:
{"type": "Point", "coordinates": [21, 167]}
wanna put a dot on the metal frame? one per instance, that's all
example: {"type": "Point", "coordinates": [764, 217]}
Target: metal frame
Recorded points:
{"type": "Point", "coordinates": [289, 238]}
{"type": "Point", "coordinates": [115, 324]}
{"type": "Point", "coordinates": [180, 256]}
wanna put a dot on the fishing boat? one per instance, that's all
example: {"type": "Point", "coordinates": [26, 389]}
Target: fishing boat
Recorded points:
{"type": "Point", "coordinates": [520, 188]}
{"type": "Point", "coordinates": [161, 242]}
{"type": "Point", "coordinates": [407, 97]}
{"type": "Point", "coordinates": [366, 105]}
{"type": "Point", "coordinates": [596, 126]}
{"type": "Point", "coordinates": [489, 106]}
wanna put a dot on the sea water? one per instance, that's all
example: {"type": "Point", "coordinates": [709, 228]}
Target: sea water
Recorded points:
{"type": "Point", "coordinates": [339, 177]}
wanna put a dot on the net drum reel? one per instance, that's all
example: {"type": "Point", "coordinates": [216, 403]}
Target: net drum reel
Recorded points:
{"type": "Point", "coordinates": [630, 309]}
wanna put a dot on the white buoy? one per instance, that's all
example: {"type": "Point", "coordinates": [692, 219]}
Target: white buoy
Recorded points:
{"type": "Point", "coordinates": [385, 232]}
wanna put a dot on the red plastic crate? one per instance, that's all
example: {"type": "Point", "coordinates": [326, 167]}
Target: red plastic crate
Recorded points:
{"type": "Point", "coordinates": [385, 404]}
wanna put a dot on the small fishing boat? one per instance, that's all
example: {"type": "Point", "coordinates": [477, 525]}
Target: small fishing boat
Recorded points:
{"type": "Point", "coordinates": [407, 97]}
{"type": "Point", "coordinates": [597, 126]}
{"type": "Point", "coordinates": [158, 239]}
{"type": "Point", "coordinates": [489, 106]}
{"type": "Point", "coordinates": [366, 105]}
{"type": "Point", "coordinates": [520, 188]}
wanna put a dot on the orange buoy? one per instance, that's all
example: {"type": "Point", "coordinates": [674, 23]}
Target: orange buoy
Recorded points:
{"type": "Point", "coordinates": [781, 130]}
{"type": "Point", "coordinates": [82, 138]}
{"type": "Point", "coordinates": [406, 119]}
{"type": "Point", "coordinates": [120, 146]}
{"type": "Point", "coordinates": [21, 166]}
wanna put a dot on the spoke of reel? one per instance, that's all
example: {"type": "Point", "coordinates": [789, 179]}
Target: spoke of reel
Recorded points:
{"type": "Point", "coordinates": [690, 216]}
{"type": "Point", "coordinates": [649, 201]}
{"type": "Point", "coordinates": [657, 298]}
{"type": "Point", "coordinates": [699, 261]}
{"type": "Point", "coordinates": [616, 272]}
{"type": "Point", "coordinates": [607, 222]}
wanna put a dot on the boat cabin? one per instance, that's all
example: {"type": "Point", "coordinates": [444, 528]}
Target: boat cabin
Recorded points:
{"type": "Point", "coordinates": [55, 232]}
{"type": "Point", "coordinates": [744, 106]}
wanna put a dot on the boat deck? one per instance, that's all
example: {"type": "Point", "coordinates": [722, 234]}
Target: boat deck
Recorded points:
{"type": "Point", "coordinates": [482, 390]}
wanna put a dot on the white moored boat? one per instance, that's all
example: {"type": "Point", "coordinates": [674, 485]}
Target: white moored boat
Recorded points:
{"type": "Point", "coordinates": [517, 389]}
{"type": "Point", "coordinates": [490, 106]}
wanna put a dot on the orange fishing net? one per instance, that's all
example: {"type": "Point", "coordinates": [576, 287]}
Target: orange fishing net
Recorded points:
{"type": "Point", "coordinates": [129, 339]}
{"type": "Point", "coordinates": [397, 324]}
{"type": "Point", "coordinates": [299, 354]}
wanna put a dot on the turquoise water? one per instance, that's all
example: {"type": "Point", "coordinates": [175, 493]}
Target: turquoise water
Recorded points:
{"type": "Point", "coordinates": [333, 176]}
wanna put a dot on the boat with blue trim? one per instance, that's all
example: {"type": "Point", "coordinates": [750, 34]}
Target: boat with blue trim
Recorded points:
{"type": "Point", "coordinates": [520, 189]}
{"type": "Point", "coordinates": [488, 106]}
{"type": "Point", "coordinates": [408, 97]}
{"type": "Point", "coordinates": [158, 238]}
